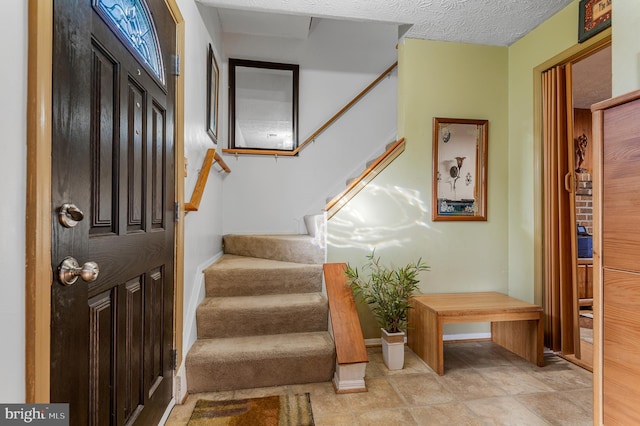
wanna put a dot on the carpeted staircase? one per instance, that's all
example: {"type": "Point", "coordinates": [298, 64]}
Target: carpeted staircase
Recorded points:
{"type": "Point", "coordinates": [264, 320]}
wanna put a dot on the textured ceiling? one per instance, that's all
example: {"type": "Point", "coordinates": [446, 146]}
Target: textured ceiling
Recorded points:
{"type": "Point", "coordinates": [492, 22]}
{"type": "Point", "coordinates": [591, 79]}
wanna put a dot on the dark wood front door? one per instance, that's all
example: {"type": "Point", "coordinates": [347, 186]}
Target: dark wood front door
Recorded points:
{"type": "Point", "coordinates": [113, 158]}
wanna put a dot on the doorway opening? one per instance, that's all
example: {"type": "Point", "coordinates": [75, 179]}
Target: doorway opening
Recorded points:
{"type": "Point", "coordinates": [569, 90]}
{"type": "Point", "coordinates": [590, 83]}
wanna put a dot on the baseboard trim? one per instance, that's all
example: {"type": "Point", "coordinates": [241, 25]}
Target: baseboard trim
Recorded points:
{"type": "Point", "coordinates": [466, 336]}
{"type": "Point", "coordinates": [190, 330]}
{"type": "Point", "coordinates": [445, 338]}
{"type": "Point", "coordinates": [349, 378]}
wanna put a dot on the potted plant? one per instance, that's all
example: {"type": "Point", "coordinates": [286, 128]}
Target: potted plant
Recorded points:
{"type": "Point", "coordinates": [387, 291]}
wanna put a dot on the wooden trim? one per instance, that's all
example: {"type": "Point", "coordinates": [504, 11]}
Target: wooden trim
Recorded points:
{"type": "Point", "coordinates": [627, 97]}
{"type": "Point", "coordinates": [363, 180]}
{"type": "Point", "coordinates": [596, 174]}
{"type": "Point", "coordinates": [345, 323]}
{"type": "Point", "coordinates": [322, 128]}
{"type": "Point", "coordinates": [178, 261]}
{"type": "Point", "coordinates": [571, 325]}
{"type": "Point", "coordinates": [250, 151]}
{"type": "Point", "coordinates": [210, 157]}
{"type": "Point", "coordinates": [38, 191]}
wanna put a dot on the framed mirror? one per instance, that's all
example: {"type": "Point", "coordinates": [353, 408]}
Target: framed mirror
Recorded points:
{"type": "Point", "coordinates": [263, 105]}
{"type": "Point", "coordinates": [459, 169]}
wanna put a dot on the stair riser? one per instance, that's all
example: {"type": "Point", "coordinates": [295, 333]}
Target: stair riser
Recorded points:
{"type": "Point", "coordinates": [212, 376]}
{"type": "Point", "coordinates": [299, 249]}
{"type": "Point", "coordinates": [221, 322]}
{"type": "Point", "coordinates": [225, 283]}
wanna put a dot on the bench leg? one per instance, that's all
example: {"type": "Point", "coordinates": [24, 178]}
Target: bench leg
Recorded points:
{"type": "Point", "coordinates": [524, 338]}
{"type": "Point", "coordinates": [424, 337]}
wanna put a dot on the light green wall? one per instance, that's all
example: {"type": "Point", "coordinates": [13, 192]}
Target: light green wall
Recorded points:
{"type": "Point", "coordinates": [625, 53]}
{"type": "Point", "coordinates": [548, 40]}
{"type": "Point", "coordinates": [393, 214]}
{"type": "Point", "coordinates": [552, 43]}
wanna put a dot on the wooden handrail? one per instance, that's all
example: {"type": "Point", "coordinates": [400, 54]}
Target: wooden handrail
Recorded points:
{"type": "Point", "coordinates": [218, 159]}
{"type": "Point", "coordinates": [347, 106]}
{"type": "Point", "coordinates": [365, 177]}
{"type": "Point", "coordinates": [210, 157]}
{"type": "Point", "coordinates": [345, 323]}
{"type": "Point", "coordinates": [322, 128]}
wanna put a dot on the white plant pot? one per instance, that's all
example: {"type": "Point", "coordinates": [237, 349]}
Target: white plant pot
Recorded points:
{"type": "Point", "coordinates": [393, 349]}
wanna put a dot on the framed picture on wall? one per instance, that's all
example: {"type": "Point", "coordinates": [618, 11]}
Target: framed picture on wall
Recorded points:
{"type": "Point", "coordinates": [594, 16]}
{"type": "Point", "coordinates": [213, 82]}
{"type": "Point", "coordinates": [459, 169]}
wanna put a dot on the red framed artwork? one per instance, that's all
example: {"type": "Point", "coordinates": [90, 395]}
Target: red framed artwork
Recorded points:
{"type": "Point", "coordinates": [594, 16]}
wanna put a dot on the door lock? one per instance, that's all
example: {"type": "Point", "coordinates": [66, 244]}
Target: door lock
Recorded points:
{"type": "Point", "coordinates": [69, 271]}
{"type": "Point", "coordinates": [69, 215]}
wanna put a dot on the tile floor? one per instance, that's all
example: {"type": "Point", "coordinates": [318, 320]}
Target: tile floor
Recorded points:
{"type": "Point", "coordinates": [483, 384]}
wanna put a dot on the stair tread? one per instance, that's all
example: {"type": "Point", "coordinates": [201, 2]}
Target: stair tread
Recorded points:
{"type": "Point", "coordinates": [235, 275]}
{"type": "Point", "coordinates": [301, 248]}
{"type": "Point", "coordinates": [256, 347]}
{"type": "Point", "coordinates": [263, 301]}
{"type": "Point", "coordinates": [233, 261]}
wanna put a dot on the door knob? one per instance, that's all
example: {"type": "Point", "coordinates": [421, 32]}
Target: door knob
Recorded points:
{"type": "Point", "coordinates": [69, 271]}
{"type": "Point", "coordinates": [69, 215]}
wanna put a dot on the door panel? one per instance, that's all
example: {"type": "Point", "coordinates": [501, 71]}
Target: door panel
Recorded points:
{"type": "Point", "coordinates": [620, 346]}
{"type": "Point", "coordinates": [112, 157]}
{"type": "Point", "coordinates": [621, 155]}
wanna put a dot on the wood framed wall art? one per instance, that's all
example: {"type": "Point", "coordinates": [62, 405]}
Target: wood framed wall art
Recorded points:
{"type": "Point", "coordinates": [459, 169]}
{"type": "Point", "coordinates": [213, 82]}
{"type": "Point", "coordinates": [594, 16]}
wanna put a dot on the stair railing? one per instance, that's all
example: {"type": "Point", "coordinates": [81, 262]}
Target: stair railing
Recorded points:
{"type": "Point", "coordinates": [351, 351]}
{"type": "Point", "coordinates": [321, 129]}
{"type": "Point", "coordinates": [379, 164]}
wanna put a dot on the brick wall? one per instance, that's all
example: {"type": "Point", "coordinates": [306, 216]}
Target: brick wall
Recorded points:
{"type": "Point", "coordinates": [584, 202]}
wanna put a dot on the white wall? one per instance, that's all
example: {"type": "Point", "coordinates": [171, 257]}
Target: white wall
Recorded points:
{"type": "Point", "coordinates": [625, 52]}
{"type": "Point", "coordinates": [203, 229]}
{"type": "Point", "coordinates": [337, 60]}
{"type": "Point", "coordinates": [13, 122]}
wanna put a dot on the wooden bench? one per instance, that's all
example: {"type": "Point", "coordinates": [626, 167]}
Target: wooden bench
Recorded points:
{"type": "Point", "coordinates": [351, 352]}
{"type": "Point", "coordinates": [515, 325]}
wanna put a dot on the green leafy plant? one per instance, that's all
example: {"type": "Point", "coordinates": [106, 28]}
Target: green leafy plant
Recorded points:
{"type": "Point", "coordinates": [386, 290]}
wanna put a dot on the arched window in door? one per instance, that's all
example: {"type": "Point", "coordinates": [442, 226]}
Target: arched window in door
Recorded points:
{"type": "Point", "coordinates": [133, 22]}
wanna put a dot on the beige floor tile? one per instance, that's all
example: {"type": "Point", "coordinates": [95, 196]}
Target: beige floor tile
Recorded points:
{"type": "Point", "coordinates": [421, 389]}
{"type": "Point", "coordinates": [479, 354]}
{"type": "Point", "coordinates": [582, 398]}
{"type": "Point", "coordinates": [564, 377]}
{"type": "Point", "coordinates": [469, 384]}
{"type": "Point", "coordinates": [514, 380]}
{"type": "Point", "coordinates": [557, 409]}
{"type": "Point", "coordinates": [380, 395]}
{"type": "Point", "coordinates": [483, 384]}
{"type": "Point", "coordinates": [504, 411]}
{"type": "Point", "coordinates": [324, 400]}
{"type": "Point", "coordinates": [446, 415]}
{"type": "Point", "coordinates": [395, 416]}
{"type": "Point", "coordinates": [339, 420]}
{"type": "Point", "coordinates": [376, 367]}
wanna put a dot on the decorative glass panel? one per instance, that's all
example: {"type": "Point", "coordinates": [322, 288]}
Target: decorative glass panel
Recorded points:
{"type": "Point", "coordinates": [133, 19]}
